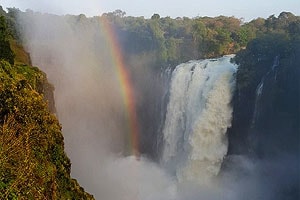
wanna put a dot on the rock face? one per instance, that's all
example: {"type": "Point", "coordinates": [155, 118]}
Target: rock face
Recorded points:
{"type": "Point", "coordinates": [266, 114]}
{"type": "Point", "coordinates": [266, 102]}
{"type": "Point", "coordinates": [33, 164]}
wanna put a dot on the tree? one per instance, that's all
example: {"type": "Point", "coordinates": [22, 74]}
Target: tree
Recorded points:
{"type": "Point", "coordinates": [294, 29]}
{"type": "Point", "coordinates": [2, 12]}
{"type": "Point", "coordinates": [155, 16]}
{"type": "Point", "coordinates": [5, 51]}
{"type": "Point", "coordinates": [119, 13]}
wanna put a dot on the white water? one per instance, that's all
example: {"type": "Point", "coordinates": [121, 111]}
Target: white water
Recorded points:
{"type": "Point", "coordinates": [260, 88]}
{"type": "Point", "coordinates": [258, 93]}
{"type": "Point", "coordinates": [198, 115]}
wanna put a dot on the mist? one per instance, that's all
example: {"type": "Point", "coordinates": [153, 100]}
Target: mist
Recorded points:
{"type": "Point", "coordinates": [87, 94]}
{"type": "Point", "coordinates": [76, 58]}
{"type": "Point", "coordinates": [75, 55]}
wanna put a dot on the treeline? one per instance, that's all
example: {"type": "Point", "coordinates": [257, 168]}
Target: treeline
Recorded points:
{"type": "Point", "coordinates": [169, 41]}
{"type": "Point", "coordinates": [181, 39]}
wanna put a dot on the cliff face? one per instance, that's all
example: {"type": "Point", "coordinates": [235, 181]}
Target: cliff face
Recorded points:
{"type": "Point", "coordinates": [266, 103]}
{"type": "Point", "coordinates": [265, 126]}
{"type": "Point", "coordinates": [33, 164]}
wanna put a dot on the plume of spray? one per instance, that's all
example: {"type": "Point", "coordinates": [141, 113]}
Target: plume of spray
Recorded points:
{"type": "Point", "coordinates": [89, 106]}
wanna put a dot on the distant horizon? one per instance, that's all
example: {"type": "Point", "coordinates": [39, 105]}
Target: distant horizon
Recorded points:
{"type": "Point", "coordinates": [168, 8]}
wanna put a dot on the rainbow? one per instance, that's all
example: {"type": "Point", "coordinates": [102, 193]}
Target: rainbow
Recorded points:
{"type": "Point", "coordinates": [126, 87]}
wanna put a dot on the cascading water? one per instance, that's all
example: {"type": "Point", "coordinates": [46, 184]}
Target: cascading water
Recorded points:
{"type": "Point", "coordinates": [198, 115]}
{"type": "Point", "coordinates": [270, 75]}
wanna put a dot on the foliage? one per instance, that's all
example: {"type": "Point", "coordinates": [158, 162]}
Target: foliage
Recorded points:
{"type": "Point", "coordinates": [21, 56]}
{"type": "Point", "coordinates": [173, 41]}
{"type": "Point", "coordinates": [274, 42]}
{"type": "Point", "coordinates": [33, 164]}
{"type": "Point", "coordinates": [181, 39]}
{"type": "Point", "coordinates": [5, 50]}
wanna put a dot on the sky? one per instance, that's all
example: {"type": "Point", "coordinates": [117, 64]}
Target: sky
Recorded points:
{"type": "Point", "coordinates": [246, 9]}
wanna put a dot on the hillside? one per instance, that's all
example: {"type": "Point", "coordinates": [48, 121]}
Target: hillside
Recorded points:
{"type": "Point", "coordinates": [33, 164]}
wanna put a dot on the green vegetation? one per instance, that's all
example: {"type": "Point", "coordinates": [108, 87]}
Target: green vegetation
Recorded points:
{"type": "Point", "coordinates": [173, 41]}
{"type": "Point", "coordinates": [33, 164]}
{"type": "Point", "coordinates": [5, 50]}
{"type": "Point", "coordinates": [276, 38]}
{"type": "Point", "coordinates": [166, 41]}
{"type": "Point", "coordinates": [177, 40]}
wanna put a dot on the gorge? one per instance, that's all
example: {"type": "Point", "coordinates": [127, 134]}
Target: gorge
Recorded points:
{"type": "Point", "coordinates": [215, 128]}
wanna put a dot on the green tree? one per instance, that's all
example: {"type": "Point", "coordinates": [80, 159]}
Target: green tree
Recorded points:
{"type": "Point", "coordinates": [159, 42]}
{"type": "Point", "coordinates": [155, 16]}
{"type": "Point", "coordinates": [244, 35]}
{"type": "Point", "coordinates": [5, 51]}
{"type": "Point", "coordinates": [2, 12]}
{"type": "Point", "coordinates": [294, 29]}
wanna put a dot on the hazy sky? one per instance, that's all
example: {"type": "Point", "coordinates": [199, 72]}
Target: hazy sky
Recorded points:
{"type": "Point", "coordinates": [248, 9]}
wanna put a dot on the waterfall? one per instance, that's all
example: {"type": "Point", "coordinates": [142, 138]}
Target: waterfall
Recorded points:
{"type": "Point", "coordinates": [165, 76]}
{"type": "Point", "coordinates": [258, 93]}
{"type": "Point", "coordinates": [270, 75]}
{"type": "Point", "coordinates": [198, 115]}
